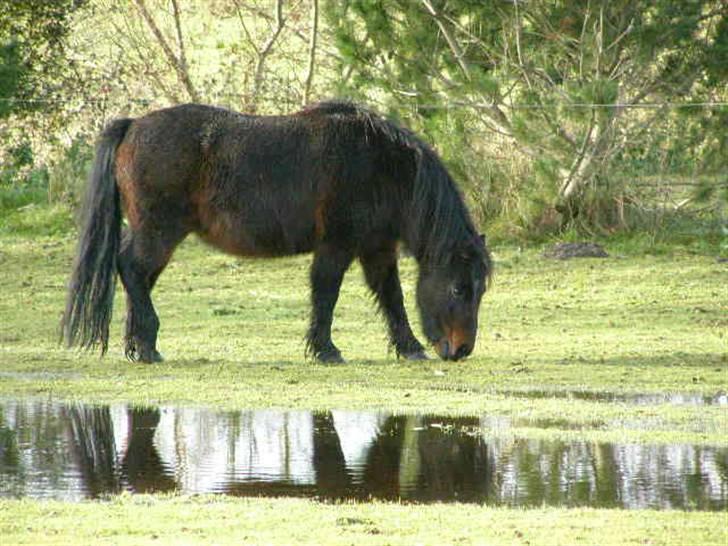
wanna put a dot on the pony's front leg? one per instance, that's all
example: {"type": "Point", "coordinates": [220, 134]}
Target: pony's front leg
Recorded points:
{"type": "Point", "coordinates": [382, 276]}
{"type": "Point", "coordinates": [327, 272]}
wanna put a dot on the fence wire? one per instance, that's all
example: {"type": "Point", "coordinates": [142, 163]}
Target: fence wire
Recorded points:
{"type": "Point", "coordinates": [451, 105]}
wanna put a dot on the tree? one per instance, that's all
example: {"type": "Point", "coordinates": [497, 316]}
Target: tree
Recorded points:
{"type": "Point", "coordinates": [32, 51]}
{"type": "Point", "coordinates": [559, 80]}
{"type": "Point", "coordinates": [252, 55]}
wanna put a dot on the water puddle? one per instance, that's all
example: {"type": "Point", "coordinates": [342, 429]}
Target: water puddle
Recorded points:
{"type": "Point", "coordinates": [675, 399]}
{"type": "Point", "coordinates": [72, 451]}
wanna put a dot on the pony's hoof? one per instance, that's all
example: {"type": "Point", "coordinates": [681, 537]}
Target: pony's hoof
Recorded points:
{"type": "Point", "coordinates": [415, 355]}
{"type": "Point", "coordinates": [150, 357]}
{"type": "Point", "coordinates": [137, 352]}
{"type": "Point", "coordinates": [332, 356]}
{"type": "Point", "coordinates": [155, 356]}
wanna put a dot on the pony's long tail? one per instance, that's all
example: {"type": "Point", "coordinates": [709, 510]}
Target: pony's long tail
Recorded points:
{"type": "Point", "coordinates": [91, 289]}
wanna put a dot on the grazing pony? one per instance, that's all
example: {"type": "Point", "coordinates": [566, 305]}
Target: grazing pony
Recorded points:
{"type": "Point", "coordinates": [334, 179]}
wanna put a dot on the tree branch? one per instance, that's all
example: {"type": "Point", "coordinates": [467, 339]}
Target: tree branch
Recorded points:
{"type": "Point", "coordinates": [448, 38]}
{"type": "Point", "coordinates": [180, 40]}
{"type": "Point", "coordinates": [311, 52]}
{"type": "Point", "coordinates": [265, 51]}
{"type": "Point", "coordinates": [127, 35]}
{"type": "Point", "coordinates": [174, 61]}
{"type": "Point", "coordinates": [580, 164]}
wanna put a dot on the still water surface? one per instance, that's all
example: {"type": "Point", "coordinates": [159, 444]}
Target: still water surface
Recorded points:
{"type": "Point", "coordinates": [73, 451]}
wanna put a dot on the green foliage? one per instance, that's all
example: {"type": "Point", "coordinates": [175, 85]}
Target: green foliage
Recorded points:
{"type": "Point", "coordinates": [11, 74]}
{"type": "Point", "coordinates": [31, 50]}
{"type": "Point", "coordinates": [499, 88]}
{"type": "Point", "coordinates": [528, 73]}
{"type": "Point", "coordinates": [32, 188]}
{"type": "Point", "coordinates": [68, 175]}
{"type": "Point", "coordinates": [20, 183]}
{"type": "Point", "coordinates": [26, 190]}
{"type": "Point", "coordinates": [716, 67]}
{"type": "Point", "coordinates": [33, 65]}
{"type": "Point", "coordinates": [24, 217]}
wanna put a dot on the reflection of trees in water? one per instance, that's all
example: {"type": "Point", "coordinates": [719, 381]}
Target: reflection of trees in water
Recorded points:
{"type": "Point", "coordinates": [534, 472]}
{"type": "Point", "coordinates": [381, 473]}
{"type": "Point", "coordinates": [12, 471]}
{"type": "Point", "coordinates": [453, 465]}
{"type": "Point", "coordinates": [721, 471]}
{"type": "Point", "coordinates": [409, 459]}
{"type": "Point", "coordinates": [36, 449]}
{"type": "Point", "coordinates": [607, 473]}
{"type": "Point", "coordinates": [72, 451]}
{"type": "Point", "coordinates": [297, 453]}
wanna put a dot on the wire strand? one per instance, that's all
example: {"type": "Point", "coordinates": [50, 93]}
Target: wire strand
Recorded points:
{"type": "Point", "coordinates": [454, 105]}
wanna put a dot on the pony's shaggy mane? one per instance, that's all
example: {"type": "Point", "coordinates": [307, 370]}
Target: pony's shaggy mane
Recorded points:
{"type": "Point", "coordinates": [436, 219]}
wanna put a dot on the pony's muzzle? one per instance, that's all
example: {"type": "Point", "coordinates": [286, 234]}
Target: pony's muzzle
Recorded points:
{"type": "Point", "coordinates": [453, 348]}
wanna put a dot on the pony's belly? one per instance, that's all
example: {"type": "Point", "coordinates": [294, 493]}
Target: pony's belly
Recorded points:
{"type": "Point", "coordinates": [258, 237]}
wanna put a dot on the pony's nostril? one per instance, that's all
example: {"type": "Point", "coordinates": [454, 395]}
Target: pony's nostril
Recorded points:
{"type": "Point", "coordinates": [462, 352]}
{"type": "Point", "coordinates": [445, 349]}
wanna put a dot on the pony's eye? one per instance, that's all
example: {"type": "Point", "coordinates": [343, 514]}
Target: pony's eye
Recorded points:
{"type": "Point", "coordinates": [457, 290]}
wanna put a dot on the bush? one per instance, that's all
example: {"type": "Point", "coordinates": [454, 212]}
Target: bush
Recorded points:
{"type": "Point", "coordinates": [22, 183]}
{"type": "Point", "coordinates": [67, 176]}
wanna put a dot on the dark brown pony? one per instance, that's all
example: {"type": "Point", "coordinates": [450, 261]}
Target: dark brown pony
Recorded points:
{"type": "Point", "coordinates": [335, 179]}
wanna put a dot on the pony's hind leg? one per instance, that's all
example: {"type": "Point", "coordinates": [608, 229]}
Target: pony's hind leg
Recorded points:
{"type": "Point", "coordinates": [327, 272]}
{"type": "Point", "coordinates": [382, 276]}
{"type": "Point", "coordinates": [142, 258]}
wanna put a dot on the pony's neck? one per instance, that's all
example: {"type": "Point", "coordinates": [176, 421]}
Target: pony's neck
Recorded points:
{"type": "Point", "coordinates": [436, 220]}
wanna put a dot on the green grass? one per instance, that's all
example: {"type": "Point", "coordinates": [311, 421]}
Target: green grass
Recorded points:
{"type": "Point", "coordinates": [162, 519]}
{"type": "Point", "coordinates": [34, 220]}
{"type": "Point", "coordinates": [232, 332]}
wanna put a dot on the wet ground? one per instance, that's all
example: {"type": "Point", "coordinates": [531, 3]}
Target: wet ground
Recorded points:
{"type": "Point", "coordinates": [73, 451]}
{"type": "Point", "coordinates": [675, 399]}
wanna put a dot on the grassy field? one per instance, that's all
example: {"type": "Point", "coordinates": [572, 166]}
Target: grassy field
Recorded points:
{"type": "Point", "coordinates": [226, 520]}
{"type": "Point", "coordinates": [232, 334]}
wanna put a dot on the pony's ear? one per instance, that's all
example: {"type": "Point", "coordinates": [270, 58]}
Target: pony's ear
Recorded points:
{"type": "Point", "coordinates": [467, 251]}
{"type": "Point", "coordinates": [470, 249]}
